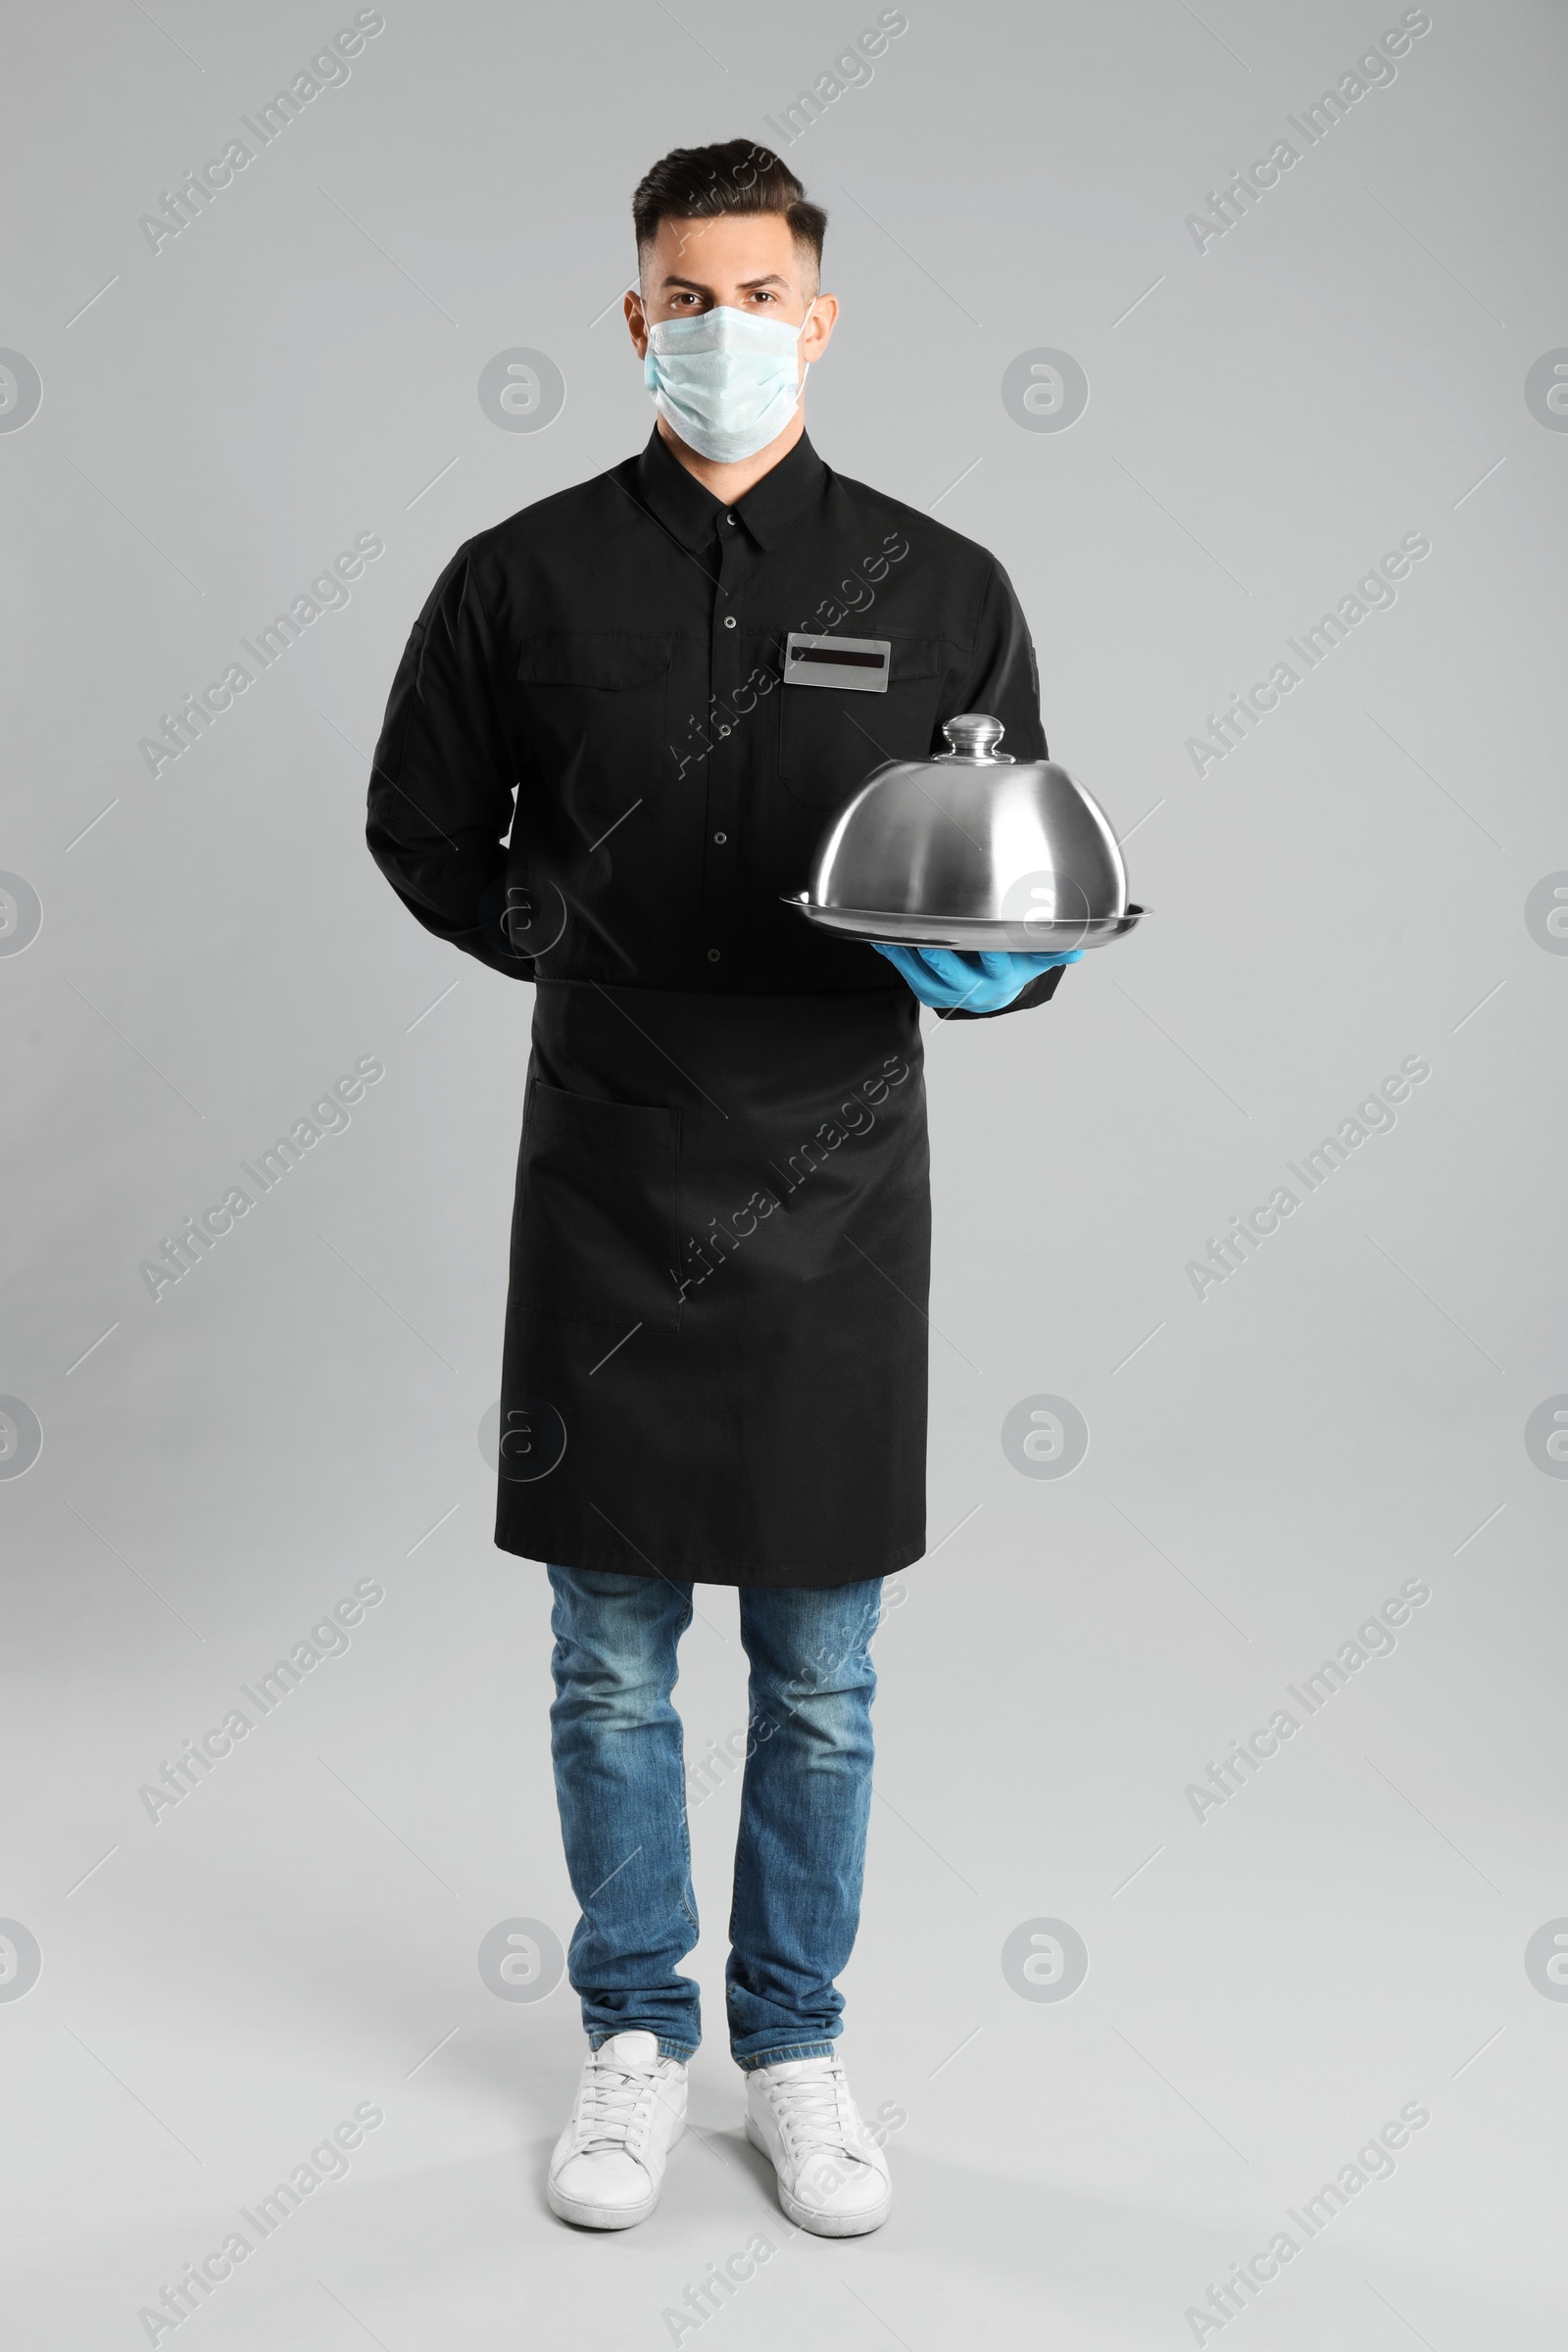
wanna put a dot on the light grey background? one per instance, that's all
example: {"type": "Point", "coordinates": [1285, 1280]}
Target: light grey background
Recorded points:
{"type": "Point", "coordinates": [1266, 1988]}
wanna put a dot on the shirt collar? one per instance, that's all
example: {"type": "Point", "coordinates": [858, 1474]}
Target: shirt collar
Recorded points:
{"type": "Point", "coordinates": [769, 509]}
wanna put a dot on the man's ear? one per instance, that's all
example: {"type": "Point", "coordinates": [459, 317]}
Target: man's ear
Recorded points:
{"type": "Point", "coordinates": [636, 321]}
{"type": "Point", "coordinates": [819, 326]}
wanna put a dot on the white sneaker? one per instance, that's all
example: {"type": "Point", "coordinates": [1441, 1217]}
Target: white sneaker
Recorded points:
{"type": "Point", "coordinates": [832, 2176]}
{"type": "Point", "coordinates": [609, 2164]}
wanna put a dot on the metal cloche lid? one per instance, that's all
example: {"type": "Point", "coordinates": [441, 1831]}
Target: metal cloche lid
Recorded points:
{"type": "Point", "coordinates": [971, 847]}
{"type": "Point", "coordinates": [975, 735]}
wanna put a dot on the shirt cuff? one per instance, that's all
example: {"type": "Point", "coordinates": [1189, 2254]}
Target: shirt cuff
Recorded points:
{"type": "Point", "coordinates": [1040, 990]}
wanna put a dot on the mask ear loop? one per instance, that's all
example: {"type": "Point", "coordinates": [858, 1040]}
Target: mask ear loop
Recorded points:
{"type": "Point", "coordinates": [799, 330]}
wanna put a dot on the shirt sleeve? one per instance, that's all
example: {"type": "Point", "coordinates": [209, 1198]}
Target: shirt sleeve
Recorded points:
{"type": "Point", "coordinates": [1005, 679]}
{"type": "Point", "coordinates": [441, 788]}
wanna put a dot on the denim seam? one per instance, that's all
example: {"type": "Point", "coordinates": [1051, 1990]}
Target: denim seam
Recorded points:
{"type": "Point", "coordinates": [784, 2052]}
{"type": "Point", "coordinates": [687, 1897]}
{"type": "Point", "coordinates": [683, 2050]}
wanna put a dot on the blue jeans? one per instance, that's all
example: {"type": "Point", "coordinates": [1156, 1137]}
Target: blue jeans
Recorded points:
{"type": "Point", "coordinates": [806, 1796]}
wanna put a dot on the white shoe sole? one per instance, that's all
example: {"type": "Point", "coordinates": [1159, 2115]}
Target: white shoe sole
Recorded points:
{"type": "Point", "coordinates": [607, 2217]}
{"type": "Point", "coordinates": [808, 2217]}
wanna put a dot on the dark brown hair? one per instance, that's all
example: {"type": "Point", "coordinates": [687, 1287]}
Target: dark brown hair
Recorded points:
{"type": "Point", "coordinates": [736, 175]}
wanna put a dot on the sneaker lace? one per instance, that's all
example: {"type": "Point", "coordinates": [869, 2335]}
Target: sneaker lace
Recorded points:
{"type": "Point", "coordinates": [811, 2115]}
{"type": "Point", "coordinates": [609, 2102]}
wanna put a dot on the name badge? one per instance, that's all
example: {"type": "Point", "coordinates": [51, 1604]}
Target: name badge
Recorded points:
{"type": "Point", "coordinates": [859, 664]}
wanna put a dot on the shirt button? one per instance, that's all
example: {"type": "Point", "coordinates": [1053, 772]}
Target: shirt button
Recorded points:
{"type": "Point", "coordinates": [732, 520]}
{"type": "Point", "coordinates": [723, 730]}
{"type": "Point", "coordinates": [721, 837]}
{"type": "Point", "coordinates": [712, 954]}
{"type": "Point", "coordinates": [730, 621]}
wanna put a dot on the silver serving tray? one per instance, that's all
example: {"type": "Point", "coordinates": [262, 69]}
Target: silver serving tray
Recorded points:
{"type": "Point", "coordinates": [975, 934]}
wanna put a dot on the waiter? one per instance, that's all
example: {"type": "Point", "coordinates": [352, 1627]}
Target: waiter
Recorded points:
{"type": "Point", "coordinates": [610, 750]}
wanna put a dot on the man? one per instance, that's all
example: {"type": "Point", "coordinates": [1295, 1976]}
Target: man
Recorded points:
{"type": "Point", "coordinates": [715, 1364]}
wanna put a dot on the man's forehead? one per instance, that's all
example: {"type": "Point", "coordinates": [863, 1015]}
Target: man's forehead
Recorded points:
{"type": "Point", "coordinates": [763, 238]}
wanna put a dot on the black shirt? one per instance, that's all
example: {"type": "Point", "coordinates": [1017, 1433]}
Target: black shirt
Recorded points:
{"type": "Point", "coordinates": [614, 654]}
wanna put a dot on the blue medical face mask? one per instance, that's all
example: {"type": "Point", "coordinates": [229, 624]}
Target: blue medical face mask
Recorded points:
{"type": "Point", "coordinates": [726, 380]}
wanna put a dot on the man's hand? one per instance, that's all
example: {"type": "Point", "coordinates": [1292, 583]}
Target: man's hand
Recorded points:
{"type": "Point", "coordinates": [948, 981]}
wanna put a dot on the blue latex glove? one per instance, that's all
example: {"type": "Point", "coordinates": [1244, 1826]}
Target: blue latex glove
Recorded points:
{"type": "Point", "coordinates": [948, 981]}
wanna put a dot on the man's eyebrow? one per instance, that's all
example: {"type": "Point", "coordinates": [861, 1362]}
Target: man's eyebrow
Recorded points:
{"type": "Point", "coordinates": [748, 284]}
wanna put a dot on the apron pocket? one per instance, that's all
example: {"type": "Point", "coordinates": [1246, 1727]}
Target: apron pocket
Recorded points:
{"type": "Point", "coordinates": [595, 1233]}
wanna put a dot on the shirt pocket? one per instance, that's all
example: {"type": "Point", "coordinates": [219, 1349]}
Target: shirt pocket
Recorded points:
{"type": "Point", "coordinates": [831, 738]}
{"type": "Point", "coordinates": [596, 1228]}
{"type": "Point", "coordinates": [593, 720]}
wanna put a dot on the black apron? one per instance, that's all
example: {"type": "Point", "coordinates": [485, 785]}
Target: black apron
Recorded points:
{"type": "Point", "coordinates": [716, 1343]}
